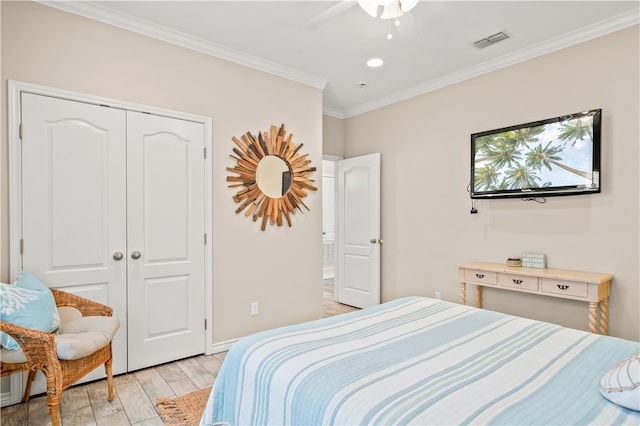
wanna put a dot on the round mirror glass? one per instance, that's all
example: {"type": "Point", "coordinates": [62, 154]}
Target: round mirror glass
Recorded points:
{"type": "Point", "coordinates": [273, 176]}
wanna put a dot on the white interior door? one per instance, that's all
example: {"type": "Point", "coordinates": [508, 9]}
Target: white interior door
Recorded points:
{"type": "Point", "coordinates": [166, 221]}
{"type": "Point", "coordinates": [358, 231]}
{"type": "Point", "coordinates": [74, 203]}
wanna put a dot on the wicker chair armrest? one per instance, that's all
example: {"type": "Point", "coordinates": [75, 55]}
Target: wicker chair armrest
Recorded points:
{"type": "Point", "coordinates": [39, 347]}
{"type": "Point", "coordinates": [85, 306]}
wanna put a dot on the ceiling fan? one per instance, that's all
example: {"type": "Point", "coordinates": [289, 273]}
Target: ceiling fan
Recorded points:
{"type": "Point", "coordinates": [391, 9]}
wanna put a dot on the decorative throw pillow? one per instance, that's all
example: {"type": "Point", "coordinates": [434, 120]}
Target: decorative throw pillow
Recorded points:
{"type": "Point", "coordinates": [28, 303]}
{"type": "Point", "coordinates": [621, 384]}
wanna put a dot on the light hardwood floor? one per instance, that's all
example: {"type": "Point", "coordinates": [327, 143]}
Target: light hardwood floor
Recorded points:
{"type": "Point", "coordinates": [137, 392]}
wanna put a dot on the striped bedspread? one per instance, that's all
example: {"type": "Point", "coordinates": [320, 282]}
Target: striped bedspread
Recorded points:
{"type": "Point", "coordinates": [419, 361]}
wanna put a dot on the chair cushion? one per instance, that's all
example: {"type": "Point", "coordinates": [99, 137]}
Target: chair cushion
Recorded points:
{"type": "Point", "coordinates": [84, 336]}
{"type": "Point", "coordinates": [28, 303]}
{"type": "Point", "coordinates": [12, 357]}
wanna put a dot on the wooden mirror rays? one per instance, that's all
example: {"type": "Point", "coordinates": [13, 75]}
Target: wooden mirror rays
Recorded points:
{"type": "Point", "coordinates": [250, 150]}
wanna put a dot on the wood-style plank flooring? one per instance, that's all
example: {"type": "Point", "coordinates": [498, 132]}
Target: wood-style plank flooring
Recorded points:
{"type": "Point", "coordinates": [136, 392]}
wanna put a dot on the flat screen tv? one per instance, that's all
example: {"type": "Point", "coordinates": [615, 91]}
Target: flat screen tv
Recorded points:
{"type": "Point", "coordinates": [556, 156]}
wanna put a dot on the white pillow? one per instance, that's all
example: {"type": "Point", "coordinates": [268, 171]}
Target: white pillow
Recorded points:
{"type": "Point", "coordinates": [621, 384]}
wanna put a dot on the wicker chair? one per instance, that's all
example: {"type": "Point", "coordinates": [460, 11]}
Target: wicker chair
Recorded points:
{"type": "Point", "coordinates": [39, 349]}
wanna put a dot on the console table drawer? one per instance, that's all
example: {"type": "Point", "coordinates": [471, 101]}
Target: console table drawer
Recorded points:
{"type": "Point", "coordinates": [570, 288]}
{"type": "Point", "coordinates": [485, 277]}
{"type": "Point", "coordinates": [518, 281]}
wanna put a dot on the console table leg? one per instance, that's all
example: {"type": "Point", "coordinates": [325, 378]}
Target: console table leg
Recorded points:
{"type": "Point", "coordinates": [593, 317]}
{"type": "Point", "coordinates": [478, 296]}
{"type": "Point", "coordinates": [604, 316]}
{"type": "Point", "coordinates": [463, 293]}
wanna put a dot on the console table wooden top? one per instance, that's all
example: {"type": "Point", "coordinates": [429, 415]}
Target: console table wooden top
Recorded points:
{"type": "Point", "coordinates": [591, 287]}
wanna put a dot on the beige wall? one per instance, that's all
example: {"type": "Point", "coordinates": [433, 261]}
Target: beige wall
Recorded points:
{"type": "Point", "coordinates": [425, 149]}
{"type": "Point", "coordinates": [44, 46]}
{"type": "Point", "coordinates": [332, 136]}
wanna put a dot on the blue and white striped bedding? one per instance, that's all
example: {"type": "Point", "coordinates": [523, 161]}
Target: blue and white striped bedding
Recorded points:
{"type": "Point", "coordinates": [419, 361]}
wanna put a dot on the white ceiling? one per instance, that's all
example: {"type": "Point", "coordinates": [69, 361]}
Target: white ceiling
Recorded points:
{"type": "Point", "coordinates": [326, 43]}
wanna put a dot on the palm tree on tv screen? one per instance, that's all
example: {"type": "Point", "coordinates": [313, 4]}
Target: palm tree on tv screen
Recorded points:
{"type": "Point", "coordinates": [576, 130]}
{"type": "Point", "coordinates": [543, 156]}
{"type": "Point", "coordinates": [514, 159]}
{"type": "Point", "coordinates": [486, 177]}
{"type": "Point", "coordinates": [521, 176]}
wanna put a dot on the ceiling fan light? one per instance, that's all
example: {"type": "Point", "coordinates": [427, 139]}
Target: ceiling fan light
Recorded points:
{"type": "Point", "coordinates": [407, 5]}
{"type": "Point", "coordinates": [369, 6]}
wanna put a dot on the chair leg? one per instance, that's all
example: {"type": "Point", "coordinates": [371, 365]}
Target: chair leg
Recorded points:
{"type": "Point", "coordinates": [27, 389]}
{"type": "Point", "coordinates": [54, 391]}
{"type": "Point", "coordinates": [109, 371]}
{"type": "Point", "coordinates": [54, 412]}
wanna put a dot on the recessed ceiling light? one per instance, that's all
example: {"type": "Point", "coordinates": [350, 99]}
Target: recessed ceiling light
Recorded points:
{"type": "Point", "coordinates": [375, 62]}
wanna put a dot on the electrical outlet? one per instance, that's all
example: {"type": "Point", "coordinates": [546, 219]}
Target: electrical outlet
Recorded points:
{"type": "Point", "coordinates": [438, 295]}
{"type": "Point", "coordinates": [254, 308]}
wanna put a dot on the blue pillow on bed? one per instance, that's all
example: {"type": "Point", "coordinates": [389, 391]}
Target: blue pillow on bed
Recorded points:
{"type": "Point", "coordinates": [28, 303]}
{"type": "Point", "coordinates": [621, 384]}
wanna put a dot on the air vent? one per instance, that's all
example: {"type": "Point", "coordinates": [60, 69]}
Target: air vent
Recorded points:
{"type": "Point", "coordinates": [492, 39]}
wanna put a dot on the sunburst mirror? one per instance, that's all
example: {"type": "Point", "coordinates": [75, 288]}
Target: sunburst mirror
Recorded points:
{"type": "Point", "coordinates": [272, 174]}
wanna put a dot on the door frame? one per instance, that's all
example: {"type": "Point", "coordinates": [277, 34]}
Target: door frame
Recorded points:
{"type": "Point", "coordinates": [334, 159]}
{"type": "Point", "coordinates": [15, 88]}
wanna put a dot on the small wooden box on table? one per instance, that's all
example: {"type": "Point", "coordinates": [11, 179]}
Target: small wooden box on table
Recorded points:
{"type": "Point", "coordinates": [589, 287]}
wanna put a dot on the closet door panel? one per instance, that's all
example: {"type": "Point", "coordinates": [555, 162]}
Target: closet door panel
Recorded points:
{"type": "Point", "coordinates": [74, 202]}
{"type": "Point", "coordinates": [165, 211]}
{"type": "Point", "coordinates": [166, 177]}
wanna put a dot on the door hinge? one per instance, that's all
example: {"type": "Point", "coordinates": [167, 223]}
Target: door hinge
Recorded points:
{"type": "Point", "coordinates": [21, 246]}
{"type": "Point", "coordinates": [205, 323]}
{"type": "Point", "coordinates": [205, 238]}
{"type": "Point", "coordinates": [205, 152]}
{"type": "Point", "coordinates": [20, 131]}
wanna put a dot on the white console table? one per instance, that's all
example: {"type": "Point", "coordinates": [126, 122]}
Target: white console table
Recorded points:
{"type": "Point", "coordinates": [586, 286]}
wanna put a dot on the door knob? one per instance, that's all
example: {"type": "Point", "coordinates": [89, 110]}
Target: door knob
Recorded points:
{"type": "Point", "coordinates": [135, 255]}
{"type": "Point", "coordinates": [118, 256]}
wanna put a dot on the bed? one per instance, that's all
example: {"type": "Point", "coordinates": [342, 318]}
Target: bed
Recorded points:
{"type": "Point", "coordinates": [419, 361]}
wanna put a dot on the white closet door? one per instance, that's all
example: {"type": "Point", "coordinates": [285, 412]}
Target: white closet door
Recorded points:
{"type": "Point", "coordinates": [74, 202]}
{"type": "Point", "coordinates": [165, 217]}
{"type": "Point", "coordinates": [98, 181]}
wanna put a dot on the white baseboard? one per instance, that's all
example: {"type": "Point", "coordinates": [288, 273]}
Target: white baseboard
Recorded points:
{"type": "Point", "coordinates": [222, 346]}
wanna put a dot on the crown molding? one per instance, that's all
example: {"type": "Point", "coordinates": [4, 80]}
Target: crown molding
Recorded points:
{"type": "Point", "coordinates": [99, 13]}
{"type": "Point", "coordinates": [333, 112]}
{"type": "Point", "coordinates": [583, 34]}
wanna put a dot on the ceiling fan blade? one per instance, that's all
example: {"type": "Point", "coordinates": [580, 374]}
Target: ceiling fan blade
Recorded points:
{"type": "Point", "coordinates": [333, 11]}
